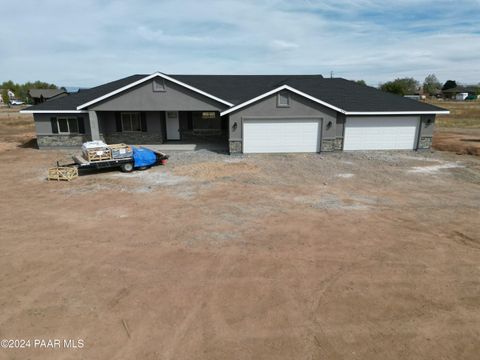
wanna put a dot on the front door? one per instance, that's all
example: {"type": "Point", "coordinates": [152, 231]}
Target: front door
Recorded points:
{"type": "Point", "coordinates": [173, 125]}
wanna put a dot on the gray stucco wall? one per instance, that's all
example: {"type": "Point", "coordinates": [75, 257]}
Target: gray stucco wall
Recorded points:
{"type": "Point", "coordinates": [426, 128]}
{"type": "Point", "coordinates": [47, 139]}
{"type": "Point", "coordinates": [43, 125]}
{"type": "Point", "coordinates": [153, 135]}
{"type": "Point", "coordinates": [174, 98]}
{"type": "Point", "coordinates": [299, 108]}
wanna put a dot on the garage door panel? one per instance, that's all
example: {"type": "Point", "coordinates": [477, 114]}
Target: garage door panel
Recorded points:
{"type": "Point", "coordinates": [381, 133]}
{"type": "Point", "coordinates": [282, 135]}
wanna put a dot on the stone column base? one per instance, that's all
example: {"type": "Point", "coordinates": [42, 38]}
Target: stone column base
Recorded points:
{"type": "Point", "coordinates": [425, 142]}
{"type": "Point", "coordinates": [46, 141]}
{"type": "Point", "coordinates": [235, 146]}
{"type": "Point", "coordinates": [328, 145]}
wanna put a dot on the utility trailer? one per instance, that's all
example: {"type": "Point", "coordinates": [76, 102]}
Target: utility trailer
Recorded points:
{"type": "Point", "coordinates": [110, 156]}
{"type": "Point", "coordinates": [125, 164]}
{"type": "Point", "coordinates": [142, 158]}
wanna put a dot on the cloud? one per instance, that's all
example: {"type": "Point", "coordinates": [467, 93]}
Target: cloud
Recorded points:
{"type": "Point", "coordinates": [84, 43]}
{"type": "Point", "coordinates": [283, 45]}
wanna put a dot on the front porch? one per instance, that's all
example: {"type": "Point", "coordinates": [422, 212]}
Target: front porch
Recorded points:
{"type": "Point", "coordinates": [165, 130]}
{"type": "Point", "coordinates": [217, 144]}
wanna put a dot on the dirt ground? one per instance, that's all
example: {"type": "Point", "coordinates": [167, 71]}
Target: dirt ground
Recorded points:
{"type": "Point", "coordinates": [460, 141]}
{"type": "Point", "coordinates": [459, 131]}
{"type": "Point", "coordinates": [324, 256]}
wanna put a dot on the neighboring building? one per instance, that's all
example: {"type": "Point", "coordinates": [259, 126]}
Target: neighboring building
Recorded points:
{"type": "Point", "coordinates": [452, 93]}
{"type": "Point", "coordinates": [246, 113]}
{"type": "Point", "coordinates": [39, 96]}
{"type": "Point", "coordinates": [461, 96]}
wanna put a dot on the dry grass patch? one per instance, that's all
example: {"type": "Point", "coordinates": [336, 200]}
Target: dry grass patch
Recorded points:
{"type": "Point", "coordinates": [463, 114]}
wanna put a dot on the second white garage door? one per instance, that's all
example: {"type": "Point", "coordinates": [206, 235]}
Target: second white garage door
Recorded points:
{"type": "Point", "coordinates": [281, 136]}
{"type": "Point", "coordinates": [380, 133]}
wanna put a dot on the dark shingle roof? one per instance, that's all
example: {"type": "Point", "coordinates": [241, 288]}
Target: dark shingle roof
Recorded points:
{"type": "Point", "coordinates": [72, 101]}
{"type": "Point", "coordinates": [341, 93]}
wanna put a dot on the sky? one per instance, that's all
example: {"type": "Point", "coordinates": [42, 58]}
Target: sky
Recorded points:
{"type": "Point", "coordinates": [87, 42]}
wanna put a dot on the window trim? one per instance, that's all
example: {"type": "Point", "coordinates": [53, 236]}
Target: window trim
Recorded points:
{"type": "Point", "coordinates": [285, 95]}
{"type": "Point", "coordinates": [67, 119]}
{"type": "Point", "coordinates": [130, 113]}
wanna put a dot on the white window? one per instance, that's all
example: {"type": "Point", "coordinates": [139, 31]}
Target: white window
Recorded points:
{"type": "Point", "coordinates": [283, 99]}
{"type": "Point", "coordinates": [131, 121]}
{"type": "Point", "coordinates": [158, 85]}
{"type": "Point", "coordinates": [67, 125]}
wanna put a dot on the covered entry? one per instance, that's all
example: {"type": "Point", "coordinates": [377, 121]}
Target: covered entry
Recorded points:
{"type": "Point", "coordinates": [381, 133]}
{"type": "Point", "coordinates": [281, 135]}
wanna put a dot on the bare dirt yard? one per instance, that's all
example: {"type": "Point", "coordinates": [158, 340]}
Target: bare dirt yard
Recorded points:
{"type": "Point", "coordinates": [323, 256]}
{"type": "Point", "coordinates": [459, 131]}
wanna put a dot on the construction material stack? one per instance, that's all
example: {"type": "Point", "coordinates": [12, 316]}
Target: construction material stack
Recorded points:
{"type": "Point", "coordinates": [121, 151]}
{"type": "Point", "coordinates": [99, 151]}
{"type": "Point", "coordinates": [96, 151]}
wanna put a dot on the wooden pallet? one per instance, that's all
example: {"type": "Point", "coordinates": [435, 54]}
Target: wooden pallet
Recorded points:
{"type": "Point", "coordinates": [62, 173]}
{"type": "Point", "coordinates": [98, 154]}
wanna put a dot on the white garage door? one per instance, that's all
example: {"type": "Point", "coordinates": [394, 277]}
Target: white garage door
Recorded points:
{"type": "Point", "coordinates": [380, 133]}
{"type": "Point", "coordinates": [281, 136]}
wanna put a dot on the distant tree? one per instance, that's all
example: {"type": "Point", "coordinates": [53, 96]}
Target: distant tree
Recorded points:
{"type": "Point", "coordinates": [361, 82]}
{"type": "Point", "coordinates": [5, 98]}
{"type": "Point", "coordinates": [401, 86]}
{"type": "Point", "coordinates": [21, 90]}
{"type": "Point", "coordinates": [449, 84]}
{"type": "Point", "coordinates": [431, 85]}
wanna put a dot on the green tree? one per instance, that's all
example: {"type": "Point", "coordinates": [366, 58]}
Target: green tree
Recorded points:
{"type": "Point", "coordinates": [5, 98]}
{"type": "Point", "coordinates": [361, 82]}
{"type": "Point", "coordinates": [431, 85]}
{"type": "Point", "coordinates": [401, 86]}
{"type": "Point", "coordinates": [21, 90]}
{"type": "Point", "coordinates": [449, 84]}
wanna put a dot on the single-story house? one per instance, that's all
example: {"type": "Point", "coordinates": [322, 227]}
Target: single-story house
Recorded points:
{"type": "Point", "coordinates": [246, 113]}
{"type": "Point", "coordinates": [39, 96]}
{"type": "Point", "coordinates": [470, 90]}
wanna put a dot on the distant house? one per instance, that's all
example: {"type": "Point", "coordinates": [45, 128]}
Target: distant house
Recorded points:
{"type": "Point", "coordinates": [39, 96]}
{"type": "Point", "coordinates": [458, 92]}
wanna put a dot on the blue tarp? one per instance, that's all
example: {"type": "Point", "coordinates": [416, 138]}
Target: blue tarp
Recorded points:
{"type": "Point", "coordinates": [143, 157]}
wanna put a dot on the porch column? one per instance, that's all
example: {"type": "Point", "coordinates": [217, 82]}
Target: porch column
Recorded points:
{"type": "Point", "coordinates": [94, 129]}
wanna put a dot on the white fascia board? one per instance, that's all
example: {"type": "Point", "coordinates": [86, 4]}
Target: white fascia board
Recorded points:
{"type": "Point", "coordinates": [149, 77]}
{"type": "Point", "coordinates": [286, 87]}
{"type": "Point", "coordinates": [397, 112]}
{"type": "Point", "coordinates": [53, 111]}
{"type": "Point", "coordinates": [283, 87]}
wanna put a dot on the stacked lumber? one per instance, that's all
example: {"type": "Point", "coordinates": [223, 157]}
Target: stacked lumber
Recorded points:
{"type": "Point", "coordinates": [64, 173]}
